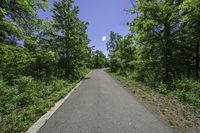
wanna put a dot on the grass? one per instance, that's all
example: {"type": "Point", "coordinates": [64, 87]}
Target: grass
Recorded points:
{"type": "Point", "coordinates": [25, 102]}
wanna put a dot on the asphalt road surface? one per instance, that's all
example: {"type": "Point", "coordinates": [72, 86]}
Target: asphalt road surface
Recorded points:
{"type": "Point", "coordinates": [101, 105]}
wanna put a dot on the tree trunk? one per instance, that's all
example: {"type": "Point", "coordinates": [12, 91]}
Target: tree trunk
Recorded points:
{"type": "Point", "coordinates": [167, 55]}
{"type": "Point", "coordinates": [197, 61]}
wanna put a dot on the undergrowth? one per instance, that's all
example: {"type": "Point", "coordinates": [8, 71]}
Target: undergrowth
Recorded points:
{"type": "Point", "coordinates": [23, 103]}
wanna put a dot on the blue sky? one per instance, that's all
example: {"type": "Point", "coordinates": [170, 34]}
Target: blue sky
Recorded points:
{"type": "Point", "coordinates": [103, 16]}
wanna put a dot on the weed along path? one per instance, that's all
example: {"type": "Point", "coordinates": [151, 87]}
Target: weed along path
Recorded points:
{"type": "Point", "coordinates": [101, 105]}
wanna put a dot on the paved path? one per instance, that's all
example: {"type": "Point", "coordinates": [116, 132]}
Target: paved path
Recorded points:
{"type": "Point", "coordinates": [100, 105]}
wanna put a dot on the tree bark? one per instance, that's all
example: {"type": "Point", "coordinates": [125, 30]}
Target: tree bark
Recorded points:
{"type": "Point", "coordinates": [197, 61]}
{"type": "Point", "coordinates": [167, 55]}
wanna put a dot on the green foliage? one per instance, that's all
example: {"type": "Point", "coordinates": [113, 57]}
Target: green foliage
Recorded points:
{"type": "Point", "coordinates": [121, 52]}
{"type": "Point", "coordinates": [44, 65]}
{"type": "Point", "coordinates": [162, 47]}
{"type": "Point", "coordinates": [99, 59]}
{"type": "Point", "coordinates": [71, 38]}
{"type": "Point", "coordinates": [40, 60]}
{"type": "Point", "coordinates": [49, 48]}
{"type": "Point", "coordinates": [13, 61]}
{"type": "Point", "coordinates": [23, 103]}
{"type": "Point", "coordinates": [188, 90]}
{"type": "Point", "coordinates": [17, 19]}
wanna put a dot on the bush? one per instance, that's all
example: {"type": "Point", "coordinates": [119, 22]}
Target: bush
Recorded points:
{"type": "Point", "coordinates": [162, 88]}
{"type": "Point", "coordinates": [188, 90]}
{"type": "Point", "coordinates": [14, 61]}
{"type": "Point", "coordinates": [187, 85]}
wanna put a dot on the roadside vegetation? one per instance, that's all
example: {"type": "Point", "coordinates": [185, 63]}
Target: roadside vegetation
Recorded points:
{"type": "Point", "coordinates": [41, 60]}
{"type": "Point", "coordinates": [27, 100]}
{"type": "Point", "coordinates": [162, 48]}
{"type": "Point", "coordinates": [159, 59]}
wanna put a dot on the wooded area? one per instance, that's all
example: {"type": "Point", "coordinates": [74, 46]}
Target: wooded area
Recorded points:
{"type": "Point", "coordinates": [162, 50]}
{"type": "Point", "coordinates": [42, 48]}
{"type": "Point", "coordinates": [40, 59]}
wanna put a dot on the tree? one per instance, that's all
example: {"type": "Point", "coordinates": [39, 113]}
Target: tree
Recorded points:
{"type": "Point", "coordinates": [71, 38]}
{"type": "Point", "coordinates": [157, 27]}
{"type": "Point", "coordinates": [190, 21]}
{"type": "Point", "coordinates": [17, 19]}
{"type": "Point", "coordinates": [163, 44]}
{"type": "Point", "coordinates": [99, 59]}
{"type": "Point", "coordinates": [18, 25]}
{"type": "Point", "coordinates": [121, 52]}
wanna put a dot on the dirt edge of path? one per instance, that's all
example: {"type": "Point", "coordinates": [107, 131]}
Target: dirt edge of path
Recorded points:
{"type": "Point", "coordinates": [180, 116]}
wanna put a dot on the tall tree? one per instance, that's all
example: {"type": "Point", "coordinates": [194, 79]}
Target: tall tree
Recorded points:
{"type": "Point", "coordinates": [71, 38]}
{"type": "Point", "coordinates": [190, 21]}
{"type": "Point", "coordinates": [156, 26]}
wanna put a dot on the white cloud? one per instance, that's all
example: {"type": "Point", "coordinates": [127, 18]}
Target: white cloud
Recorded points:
{"type": "Point", "coordinates": [103, 38]}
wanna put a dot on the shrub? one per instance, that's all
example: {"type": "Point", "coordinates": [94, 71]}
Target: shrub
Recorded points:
{"type": "Point", "coordinates": [188, 90]}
